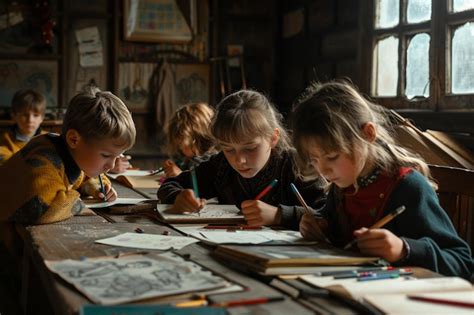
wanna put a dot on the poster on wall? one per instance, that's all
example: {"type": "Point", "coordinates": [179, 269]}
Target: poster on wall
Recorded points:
{"type": "Point", "coordinates": [41, 75]}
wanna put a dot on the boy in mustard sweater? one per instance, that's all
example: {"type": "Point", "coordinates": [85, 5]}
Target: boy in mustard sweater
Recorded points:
{"type": "Point", "coordinates": [42, 182]}
{"type": "Point", "coordinates": [28, 107]}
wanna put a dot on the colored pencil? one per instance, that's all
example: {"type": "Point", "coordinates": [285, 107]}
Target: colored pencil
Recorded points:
{"type": "Point", "coordinates": [102, 188]}
{"type": "Point", "coordinates": [266, 189]}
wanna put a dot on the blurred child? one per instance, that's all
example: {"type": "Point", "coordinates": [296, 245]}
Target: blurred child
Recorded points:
{"type": "Point", "coordinates": [41, 183]}
{"type": "Point", "coordinates": [189, 136]}
{"type": "Point", "coordinates": [256, 151]}
{"type": "Point", "coordinates": [28, 107]}
{"type": "Point", "coordinates": [344, 137]}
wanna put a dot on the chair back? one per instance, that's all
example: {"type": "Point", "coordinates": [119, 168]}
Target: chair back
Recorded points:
{"type": "Point", "coordinates": [456, 196]}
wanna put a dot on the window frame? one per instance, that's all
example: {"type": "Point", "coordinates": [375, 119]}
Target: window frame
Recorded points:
{"type": "Point", "coordinates": [440, 28]}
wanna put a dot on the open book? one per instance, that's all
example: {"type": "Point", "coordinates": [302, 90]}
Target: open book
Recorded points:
{"type": "Point", "coordinates": [95, 203]}
{"type": "Point", "coordinates": [211, 213]}
{"type": "Point", "coordinates": [138, 179]}
{"type": "Point", "coordinates": [359, 290]}
{"type": "Point", "coordinates": [262, 258]}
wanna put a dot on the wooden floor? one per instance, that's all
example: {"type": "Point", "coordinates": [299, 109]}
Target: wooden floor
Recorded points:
{"type": "Point", "coordinates": [9, 285]}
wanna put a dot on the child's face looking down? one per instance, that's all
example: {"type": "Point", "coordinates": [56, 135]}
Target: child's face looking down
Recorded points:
{"type": "Point", "coordinates": [94, 157]}
{"type": "Point", "coordinates": [28, 121]}
{"type": "Point", "coordinates": [337, 167]}
{"type": "Point", "coordinates": [250, 156]}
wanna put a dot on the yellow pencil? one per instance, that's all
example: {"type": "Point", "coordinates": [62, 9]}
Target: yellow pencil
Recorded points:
{"type": "Point", "coordinates": [389, 217]}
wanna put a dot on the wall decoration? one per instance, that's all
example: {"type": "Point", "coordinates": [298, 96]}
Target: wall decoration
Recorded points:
{"type": "Point", "coordinates": [155, 21]}
{"type": "Point", "coordinates": [191, 83]}
{"type": "Point", "coordinates": [41, 75]}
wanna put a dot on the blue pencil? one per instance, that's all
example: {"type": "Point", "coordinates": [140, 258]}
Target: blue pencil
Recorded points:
{"type": "Point", "coordinates": [102, 188]}
{"type": "Point", "coordinates": [195, 183]}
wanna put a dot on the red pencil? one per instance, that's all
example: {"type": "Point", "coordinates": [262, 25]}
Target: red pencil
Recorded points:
{"type": "Point", "coordinates": [249, 301]}
{"type": "Point", "coordinates": [266, 189]}
{"type": "Point", "coordinates": [232, 227]}
{"type": "Point", "coordinates": [441, 301]}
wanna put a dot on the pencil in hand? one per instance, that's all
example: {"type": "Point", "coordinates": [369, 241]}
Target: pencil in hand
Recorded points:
{"type": "Point", "coordinates": [266, 189]}
{"type": "Point", "coordinates": [195, 184]}
{"type": "Point", "coordinates": [380, 223]}
{"type": "Point", "coordinates": [102, 188]}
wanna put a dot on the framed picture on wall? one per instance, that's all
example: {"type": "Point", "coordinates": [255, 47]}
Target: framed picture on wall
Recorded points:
{"type": "Point", "coordinates": [191, 83]}
{"type": "Point", "coordinates": [41, 75]}
{"type": "Point", "coordinates": [155, 21]}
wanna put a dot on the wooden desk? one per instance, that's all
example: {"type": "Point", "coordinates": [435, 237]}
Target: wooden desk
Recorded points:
{"type": "Point", "coordinates": [75, 238]}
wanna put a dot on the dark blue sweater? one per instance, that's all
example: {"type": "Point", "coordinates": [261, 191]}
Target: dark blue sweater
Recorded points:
{"type": "Point", "coordinates": [425, 226]}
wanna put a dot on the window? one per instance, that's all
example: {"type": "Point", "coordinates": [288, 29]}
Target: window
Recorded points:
{"type": "Point", "coordinates": [422, 53]}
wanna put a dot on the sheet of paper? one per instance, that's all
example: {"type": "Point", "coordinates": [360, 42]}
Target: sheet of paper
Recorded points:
{"type": "Point", "coordinates": [92, 204]}
{"type": "Point", "coordinates": [119, 280]}
{"type": "Point", "coordinates": [220, 236]}
{"type": "Point", "coordinates": [90, 47]}
{"type": "Point", "coordinates": [401, 304]}
{"type": "Point", "coordinates": [209, 211]}
{"type": "Point", "coordinates": [357, 289]}
{"type": "Point", "coordinates": [132, 173]}
{"type": "Point", "coordinates": [148, 241]}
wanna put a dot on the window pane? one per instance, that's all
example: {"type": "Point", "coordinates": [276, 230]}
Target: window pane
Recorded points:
{"type": "Point", "coordinates": [463, 59]}
{"type": "Point", "coordinates": [386, 67]}
{"type": "Point", "coordinates": [462, 5]}
{"type": "Point", "coordinates": [418, 69]}
{"type": "Point", "coordinates": [418, 11]}
{"type": "Point", "coordinates": [387, 13]}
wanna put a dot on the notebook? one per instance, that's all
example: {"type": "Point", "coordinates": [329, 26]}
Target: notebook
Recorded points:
{"type": "Point", "coordinates": [403, 285]}
{"type": "Point", "coordinates": [211, 213]}
{"type": "Point", "coordinates": [263, 258]}
{"type": "Point", "coordinates": [137, 182]}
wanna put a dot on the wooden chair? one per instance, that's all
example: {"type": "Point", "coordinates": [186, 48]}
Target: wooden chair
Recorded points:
{"type": "Point", "coordinates": [456, 196]}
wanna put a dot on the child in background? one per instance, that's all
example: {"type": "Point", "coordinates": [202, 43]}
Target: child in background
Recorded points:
{"type": "Point", "coordinates": [28, 107]}
{"type": "Point", "coordinates": [256, 151]}
{"type": "Point", "coordinates": [41, 183]}
{"type": "Point", "coordinates": [343, 136]}
{"type": "Point", "coordinates": [189, 136]}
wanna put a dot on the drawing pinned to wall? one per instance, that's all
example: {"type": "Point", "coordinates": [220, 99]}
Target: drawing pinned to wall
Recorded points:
{"type": "Point", "coordinates": [155, 21]}
{"type": "Point", "coordinates": [15, 33]}
{"type": "Point", "coordinates": [118, 280]}
{"type": "Point", "coordinates": [191, 83]}
{"type": "Point", "coordinates": [39, 75]}
{"type": "Point", "coordinates": [133, 83]}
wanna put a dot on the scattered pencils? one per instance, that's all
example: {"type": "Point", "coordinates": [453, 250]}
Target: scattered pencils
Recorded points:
{"type": "Point", "coordinates": [260, 300]}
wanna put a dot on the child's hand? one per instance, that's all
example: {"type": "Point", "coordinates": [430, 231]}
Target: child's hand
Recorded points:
{"type": "Point", "coordinates": [171, 169]}
{"type": "Point", "coordinates": [381, 243]}
{"type": "Point", "coordinates": [121, 164]}
{"type": "Point", "coordinates": [110, 193]}
{"type": "Point", "coordinates": [258, 213]}
{"type": "Point", "coordinates": [186, 201]}
{"type": "Point", "coordinates": [313, 228]}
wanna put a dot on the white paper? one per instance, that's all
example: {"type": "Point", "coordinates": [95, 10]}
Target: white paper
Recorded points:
{"type": "Point", "coordinates": [220, 236]}
{"type": "Point", "coordinates": [209, 211]}
{"type": "Point", "coordinates": [148, 241]}
{"type": "Point", "coordinates": [119, 280]}
{"type": "Point", "coordinates": [10, 19]}
{"type": "Point", "coordinates": [132, 173]}
{"type": "Point", "coordinates": [90, 47]}
{"type": "Point", "coordinates": [92, 204]}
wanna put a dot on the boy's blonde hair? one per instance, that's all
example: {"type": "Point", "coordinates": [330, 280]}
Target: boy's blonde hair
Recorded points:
{"type": "Point", "coordinates": [100, 116]}
{"type": "Point", "coordinates": [190, 125]}
{"type": "Point", "coordinates": [334, 115]}
{"type": "Point", "coordinates": [28, 100]}
{"type": "Point", "coordinates": [247, 114]}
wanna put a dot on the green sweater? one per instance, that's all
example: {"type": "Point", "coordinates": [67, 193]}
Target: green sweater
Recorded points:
{"type": "Point", "coordinates": [424, 225]}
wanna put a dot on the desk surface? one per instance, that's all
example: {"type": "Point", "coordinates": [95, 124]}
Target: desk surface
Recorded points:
{"type": "Point", "coordinates": [74, 238]}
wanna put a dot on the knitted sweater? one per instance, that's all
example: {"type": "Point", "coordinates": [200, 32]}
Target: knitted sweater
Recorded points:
{"type": "Point", "coordinates": [217, 178]}
{"type": "Point", "coordinates": [12, 141]}
{"type": "Point", "coordinates": [40, 183]}
{"type": "Point", "coordinates": [424, 225]}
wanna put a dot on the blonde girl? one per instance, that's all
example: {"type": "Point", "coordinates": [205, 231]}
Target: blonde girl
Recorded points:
{"type": "Point", "coordinates": [255, 151]}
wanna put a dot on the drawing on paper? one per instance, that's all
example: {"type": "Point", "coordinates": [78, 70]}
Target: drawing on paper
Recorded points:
{"type": "Point", "coordinates": [119, 280]}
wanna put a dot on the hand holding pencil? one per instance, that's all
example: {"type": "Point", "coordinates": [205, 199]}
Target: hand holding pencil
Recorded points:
{"type": "Point", "coordinates": [257, 212]}
{"type": "Point", "coordinates": [376, 241]}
